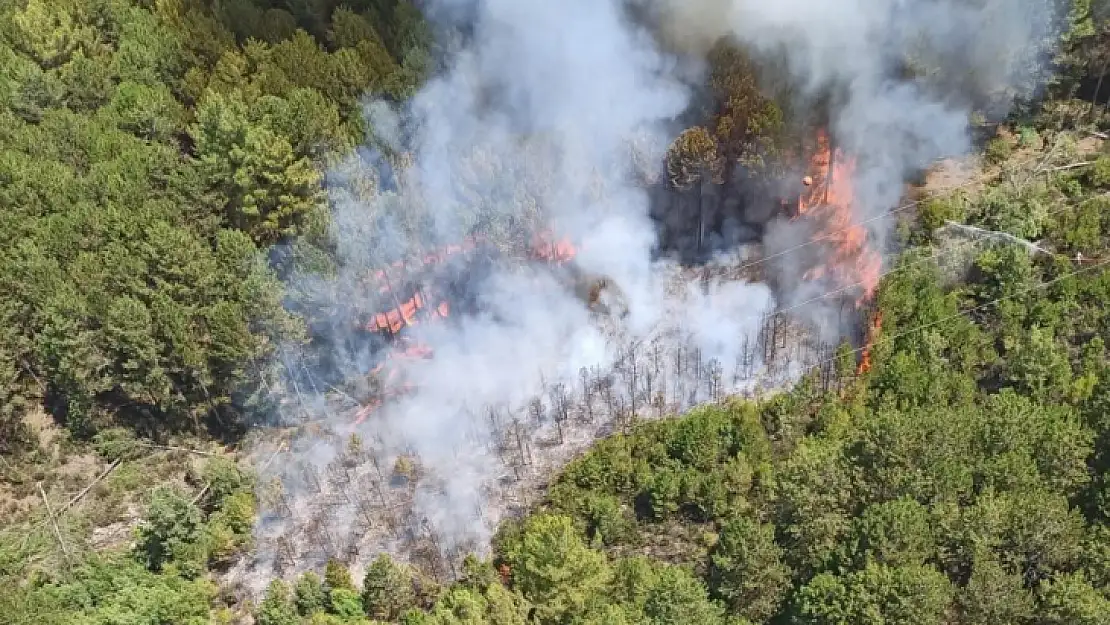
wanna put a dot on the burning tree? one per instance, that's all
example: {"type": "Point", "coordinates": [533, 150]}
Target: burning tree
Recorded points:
{"type": "Point", "coordinates": [852, 267]}
{"type": "Point", "coordinates": [828, 200]}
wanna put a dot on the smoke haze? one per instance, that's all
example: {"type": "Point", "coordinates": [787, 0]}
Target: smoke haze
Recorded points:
{"type": "Point", "coordinates": [860, 55]}
{"type": "Point", "coordinates": [553, 114]}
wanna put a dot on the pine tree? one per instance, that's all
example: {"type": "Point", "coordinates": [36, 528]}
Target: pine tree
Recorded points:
{"type": "Point", "coordinates": [276, 608]}
{"type": "Point", "coordinates": [387, 590]}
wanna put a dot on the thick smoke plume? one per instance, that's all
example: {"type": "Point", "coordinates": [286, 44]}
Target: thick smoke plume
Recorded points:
{"type": "Point", "coordinates": [555, 116]}
{"type": "Point", "coordinates": [897, 80]}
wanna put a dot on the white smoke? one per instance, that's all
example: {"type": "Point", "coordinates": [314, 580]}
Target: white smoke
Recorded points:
{"type": "Point", "coordinates": [553, 113]}
{"type": "Point", "coordinates": [539, 118]}
{"type": "Point", "coordinates": [899, 79]}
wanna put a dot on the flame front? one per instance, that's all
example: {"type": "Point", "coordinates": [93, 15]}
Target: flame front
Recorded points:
{"type": "Point", "coordinates": [872, 336]}
{"type": "Point", "coordinates": [828, 199]}
{"type": "Point", "coordinates": [404, 312]}
{"type": "Point", "coordinates": [546, 248]}
{"type": "Point", "coordinates": [852, 265]}
{"type": "Point", "coordinates": [416, 303]}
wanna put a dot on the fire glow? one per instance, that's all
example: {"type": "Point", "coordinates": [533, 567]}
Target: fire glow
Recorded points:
{"type": "Point", "coordinates": [828, 200]}
{"type": "Point", "coordinates": [872, 335]}
{"type": "Point", "coordinates": [404, 313]}
{"type": "Point", "coordinates": [420, 303]}
{"type": "Point", "coordinates": [852, 262]}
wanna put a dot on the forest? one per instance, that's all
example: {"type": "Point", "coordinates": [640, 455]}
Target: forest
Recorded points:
{"type": "Point", "coordinates": [162, 172]}
{"type": "Point", "coordinates": [151, 150]}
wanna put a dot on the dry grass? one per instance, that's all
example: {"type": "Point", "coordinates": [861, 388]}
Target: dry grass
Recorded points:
{"type": "Point", "coordinates": [955, 173]}
{"type": "Point", "coordinates": [106, 515]}
{"type": "Point", "coordinates": [53, 462]}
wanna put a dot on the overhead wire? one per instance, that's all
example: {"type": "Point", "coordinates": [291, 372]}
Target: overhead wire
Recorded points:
{"type": "Point", "coordinates": [896, 269]}
{"type": "Point", "coordinates": [826, 235]}
{"type": "Point", "coordinates": [962, 313]}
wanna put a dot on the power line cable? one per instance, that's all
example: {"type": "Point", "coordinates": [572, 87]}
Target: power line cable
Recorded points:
{"type": "Point", "coordinates": [968, 311]}
{"type": "Point", "coordinates": [939, 254]}
{"type": "Point", "coordinates": [824, 236]}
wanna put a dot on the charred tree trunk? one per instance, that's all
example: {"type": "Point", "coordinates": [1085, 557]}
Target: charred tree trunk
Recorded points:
{"type": "Point", "coordinates": [586, 395]}
{"type": "Point", "coordinates": [498, 435]}
{"type": "Point", "coordinates": [535, 409]}
{"type": "Point", "coordinates": [561, 407]}
{"type": "Point", "coordinates": [632, 381]}
{"type": "Point", "coordinates": [1098, 87]}
{"type": "Point", "coordinates": [680, 375]}
{"type": "Point", "coordinates": [521, 444]}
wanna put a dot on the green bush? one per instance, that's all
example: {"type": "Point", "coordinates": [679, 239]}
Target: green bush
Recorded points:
{"type": "Point", "coordinates": [345, 603]}
{"type": "Point", "coordinates": [606, 519]}
{"type": "Point", "coordinates": [117, 444]}
{"type": "Point", "coordinates": [277, 607]}
{"type": "Point", "coordinates": [746, 570]}
{"type": "Point", "coordinates": [1082, 229]}
{"type": "Point", "coordinates": [107, 589]}
{"type": "Point", "coordinates": [226, 478]}
{"type": "Point", "coordinates": [170, 531]}
{"type": "Point", "coordinates": [387, 590]}
{"type": "Point", "coordinates": [1028, 137]}
{"type": "Point", "coordinates": [1099, 174]}
{"type": "Point", "coordinates": [309, 595]}
{"type": "Point", "coordinates": [998, 150]}
{"type": "Point", "coordinates": [936, 211]}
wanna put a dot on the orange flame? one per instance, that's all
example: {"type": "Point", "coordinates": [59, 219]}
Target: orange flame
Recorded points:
{"type": "Point", "coordinates": [392, 383]}
{"type": "Point", "coordinates": [872, 334]}
{"type": "Point", "coordinates": [367, 410]}
{"type": "Point", "coordinates": [545, 247]}
{"type": "Point", "coordinates": [828, 198]}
